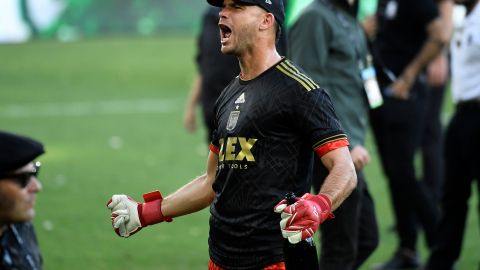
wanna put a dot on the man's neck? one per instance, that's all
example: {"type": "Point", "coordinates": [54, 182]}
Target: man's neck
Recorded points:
{"type": "Point", "coordinates": [256, 62]}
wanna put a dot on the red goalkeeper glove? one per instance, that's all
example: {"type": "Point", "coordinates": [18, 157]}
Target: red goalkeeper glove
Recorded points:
{"type": "Point", "coordinates": [302, 219]}
{"type": "Point", "coordinates": [129, 216]}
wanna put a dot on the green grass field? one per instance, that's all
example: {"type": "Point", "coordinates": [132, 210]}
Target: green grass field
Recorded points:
{"type": "Point", "coordinates": [110, 114]}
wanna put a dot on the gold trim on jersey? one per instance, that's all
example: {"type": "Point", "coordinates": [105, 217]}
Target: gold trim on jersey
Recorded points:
{"type": "Point", "coordinates": [330, 139]}
{"type": "Point", "coordinates": [301, 74]}
{"type": "Point", "coordinates": [292, 72]}
{"type": "Point", "coordinates": [293, 77]}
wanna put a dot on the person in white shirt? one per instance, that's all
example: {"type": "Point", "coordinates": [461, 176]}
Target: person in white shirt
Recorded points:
{"type": "Point", "coordinates": [462, 144]}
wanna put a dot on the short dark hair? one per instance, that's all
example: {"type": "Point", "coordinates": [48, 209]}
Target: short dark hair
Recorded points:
{"type": "Point", "coordinates": [278, 31]}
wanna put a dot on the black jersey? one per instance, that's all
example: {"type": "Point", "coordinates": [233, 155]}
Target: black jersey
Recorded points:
{"type": "Point", "coordinates": [402, 30]}
{"type": "Point", "coordinates": [19, 248]}
{"type": "Point", "coordinates": [266, 130]}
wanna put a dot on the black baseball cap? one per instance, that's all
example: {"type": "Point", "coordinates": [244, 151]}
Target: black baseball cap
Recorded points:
{"type": "Point", "coordinates": [17, 151]}
{"type": "Point", "coordinates": [273, 6]}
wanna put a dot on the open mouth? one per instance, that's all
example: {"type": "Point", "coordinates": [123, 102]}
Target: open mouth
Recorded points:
{"type": "Point", "coordinates": [225, 32]}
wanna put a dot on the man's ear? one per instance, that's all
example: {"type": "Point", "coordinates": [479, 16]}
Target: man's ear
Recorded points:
{"type": "Point", "coordinates": [268, 21]}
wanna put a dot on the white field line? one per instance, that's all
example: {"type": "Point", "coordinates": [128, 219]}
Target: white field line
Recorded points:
{"type": "Point", "coordinates": [111, 107]}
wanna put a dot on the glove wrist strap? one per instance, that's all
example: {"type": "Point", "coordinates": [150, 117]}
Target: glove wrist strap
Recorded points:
{"type": "Point", "coordinates": [323, 203]}
{"type": "Point", "coordinates": [150, 212]}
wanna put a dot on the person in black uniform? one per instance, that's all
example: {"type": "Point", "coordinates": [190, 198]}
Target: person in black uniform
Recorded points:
{"type": "Point", "coordinates": [18, 186]}
{"type": "Point", "coordinates": [432, 137]}
{"type": "Point", "coordinates": [431, 146]}
{"type": "Point", "coordinates": [215, 71]}
{"type": "Point", "coordinates": [269, 122]}
{"type": "Point", "coordinates": [410, 35]}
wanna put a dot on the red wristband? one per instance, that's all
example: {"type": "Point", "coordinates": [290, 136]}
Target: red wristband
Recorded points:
{"type": "Point", "coordinates": [150, 212]}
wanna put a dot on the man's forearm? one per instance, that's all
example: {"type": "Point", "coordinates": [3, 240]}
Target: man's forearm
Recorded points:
{"type": "Point", "coordinates": [194, 196]}
{"type": "Point", "coordinates": [341, 180]}
{"type": "Point", "coordinates": [339, 184]}
{"type": "Point", "coordinates": [195, 92]}
{"type": "Point", "coordinates": [190, 198]}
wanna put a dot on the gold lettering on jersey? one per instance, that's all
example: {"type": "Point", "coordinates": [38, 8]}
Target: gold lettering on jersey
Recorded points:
{"type": "Point", "coordinates": [228, 150]}
{"type": "Point", "coordinates": [246, 147]}
{"type": "Point", "coordinates": [221, 156]}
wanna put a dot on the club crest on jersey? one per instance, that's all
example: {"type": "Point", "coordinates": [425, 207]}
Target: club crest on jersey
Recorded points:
{"type": "Point", "coordinates": [232, 120]}
{"type": "Point", "coordinates": [240, 99]}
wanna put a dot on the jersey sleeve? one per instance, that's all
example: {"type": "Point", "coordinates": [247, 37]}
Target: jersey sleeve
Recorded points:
{"type": "Point", "coordinates": [214, 143]}
{"type": "Point", "coordinates": [317, 122]}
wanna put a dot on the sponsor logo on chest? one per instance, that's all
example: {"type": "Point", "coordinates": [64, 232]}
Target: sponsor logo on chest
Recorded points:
{"type": "Point", "coordinates": [236, 148]}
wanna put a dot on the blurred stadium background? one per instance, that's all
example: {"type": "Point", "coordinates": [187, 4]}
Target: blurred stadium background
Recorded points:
{"type": "Point", "coordinates": [103, 84]}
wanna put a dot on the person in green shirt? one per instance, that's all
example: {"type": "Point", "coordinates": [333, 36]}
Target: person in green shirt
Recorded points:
{"type": "Point", "coordinates": [334, 52]}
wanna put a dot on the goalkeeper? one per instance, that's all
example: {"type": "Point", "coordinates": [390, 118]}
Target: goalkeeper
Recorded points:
{"type": "Point", "coordinates": [269, 122]}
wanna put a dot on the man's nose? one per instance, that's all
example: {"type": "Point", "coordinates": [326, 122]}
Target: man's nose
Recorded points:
{"type": "Point", "coordinates": [223, 12]}
{"type": "Point", "coordinates": [34, 185]}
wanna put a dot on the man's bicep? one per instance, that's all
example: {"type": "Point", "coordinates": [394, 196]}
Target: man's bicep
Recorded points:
{"type": "Point", "coordinates": [336, 156]}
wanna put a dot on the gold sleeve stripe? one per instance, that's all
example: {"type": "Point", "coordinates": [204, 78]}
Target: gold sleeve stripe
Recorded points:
{"type": "Point", "coordinates": [293, 77]}
{"type": "Point", "coordinates": [330, 139]}
{"type": "Point", "coordinates": [310, 80]}
{"type": "Point", "coordinates": [303, 75]}
{"type": "Point", "coordinates": [297, 74]}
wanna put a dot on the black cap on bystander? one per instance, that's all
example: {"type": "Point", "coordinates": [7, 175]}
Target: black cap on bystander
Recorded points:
{"type": "Point", "coordinates": [17, 151]}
